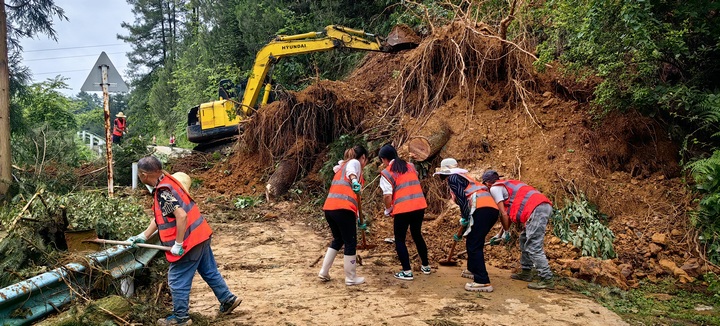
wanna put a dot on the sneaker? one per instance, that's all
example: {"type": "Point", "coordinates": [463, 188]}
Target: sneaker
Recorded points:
{"type": "Point", "coordinates": [228, 307]}
{"type": "Point", "coordinates": [546, 283]}
{"type": "Point", "coordinates": [174, 320]}
{"type": "Point", "coordinates": [324, 278]}
{"type": "Point", "coordinates": [525, 275]}
{"type": "Point", "coordinates": [477, 287]}
{"type": "Point", "coordinates": [407, 276]}
{"type": "Point", "coordinates": [467, 274]}
{"type": "Point", "coordinates": [425, 270]}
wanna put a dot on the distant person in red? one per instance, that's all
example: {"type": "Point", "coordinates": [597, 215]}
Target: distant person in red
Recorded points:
{"type": "Point", "coordinates": [119, 128]}
{"type": "Point", "coordinates": [172, 140]}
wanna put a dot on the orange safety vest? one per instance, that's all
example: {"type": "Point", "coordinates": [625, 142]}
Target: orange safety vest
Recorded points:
{"type": "Point", "coordinates": [407, 194]}
{"type": "Point", "coordinates": [119, 126]}
{"type": "Point", "coordinates": [483, 198]}
{"type": "Point", "coordinates": [341, 195]}
{"type": "Point", "coordinates": [522, 200]}
{"type": "Point", "coordinates": [197, 228]}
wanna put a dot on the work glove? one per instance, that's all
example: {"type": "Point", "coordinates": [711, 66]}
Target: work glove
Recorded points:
{"type": "Point", "coordinates": [140, 238]}
{"type": "Point", "coordinates": [388, 211]}
{"type": "Point", "coordinates": [464, 221]}
{"type": "Point", "coordinates": [497, 239]}
{"type": "Point", "coordinates": [356, 186]}
{"type": "Point", "coordinates": [177, 249]}
{"type": "Point", "coordinates": [361, 226]}
{"type": "Point", "coordinates": [457, 238]}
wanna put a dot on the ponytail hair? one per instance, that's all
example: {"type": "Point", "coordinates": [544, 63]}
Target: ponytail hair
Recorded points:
{"type": "Point", "coordinates": [389, 153]}
{"type": "Point", "coordinates": [359, 151]}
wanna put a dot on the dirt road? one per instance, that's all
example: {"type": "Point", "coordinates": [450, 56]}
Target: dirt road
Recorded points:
{"type": "Point", "coordinates": [267, 263]}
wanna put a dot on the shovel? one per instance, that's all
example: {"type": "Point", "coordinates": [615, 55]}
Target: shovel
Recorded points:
{"type": "Point", "coordinates": [87, 240]}
{"type": "Point", "coordinates": [128, 243]}
{"type": "Point", "coordinates": [364, 244]}
{"type": "Point", "coordinates": [450, 261]}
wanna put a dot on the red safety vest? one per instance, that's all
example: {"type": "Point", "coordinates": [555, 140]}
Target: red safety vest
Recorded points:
{"type": "Point", "coordinates": [522, 200]}
{"type": "Point", "coordinates": [482, 195]}
{"type": "Point", "coordinates": [197, 228]}
{"type": "Point", "coordinates": [341, 195]}
{"type": "Point", "coordinates": [407, 194]}
{"type": "Point", "coordinates": [119, 126]}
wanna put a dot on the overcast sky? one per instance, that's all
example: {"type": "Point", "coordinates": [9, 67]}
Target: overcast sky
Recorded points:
{"type": "Point", "coordinates": [91, 28]}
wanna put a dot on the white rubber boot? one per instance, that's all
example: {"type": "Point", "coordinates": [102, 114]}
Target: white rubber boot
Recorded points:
{"type": "Point", "coordinates": [350, 276]}
{"type": "Point", "coordinates": [324, 274]}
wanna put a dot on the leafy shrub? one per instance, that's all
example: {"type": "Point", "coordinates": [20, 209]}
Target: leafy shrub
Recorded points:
{"type": "Point", "coordinates": [113, 218]}
{"type": "Point", "coordinates": [706, 173]}
{"type": "Point", "coordinates": [247, 201]}
{"type": "Point", "coordinates": [579, 223]}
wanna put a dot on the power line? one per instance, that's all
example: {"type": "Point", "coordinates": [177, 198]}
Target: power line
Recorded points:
{"type": "Point", "coordinates": [76, 47]}
{"type": "Point", "coordinates": [72, 56]}
{"type": "Point", "coordinates": [58, 72]}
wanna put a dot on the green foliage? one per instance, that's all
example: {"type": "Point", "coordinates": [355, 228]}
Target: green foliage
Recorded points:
{"type": "Point", "coordinates": [131, 151]}
{"type": "Point", "coordinates": [654, 56]}
{"type": "Point", "coordinates": [579, 222]}
{"type": "Point", "coordinates": [664, 303]}
{"type": "Point", "coordinates": [247, 201]}
{"type": "Point", "coordinates": [113, 218]}
{"type": "Point", "coordinates": [44, 104]}
{"type": "Point", "coordinates": [706, 173]}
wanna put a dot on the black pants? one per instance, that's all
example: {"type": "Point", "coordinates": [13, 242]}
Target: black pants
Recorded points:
{"type": "Point", "coordinates": [342, 225]}
{"type": "Point", "coordinates": [116, 139]}
{"type": "Point", "coordinates": [401, 223]}
{"type": "Point", "coordinates": [483, 220]}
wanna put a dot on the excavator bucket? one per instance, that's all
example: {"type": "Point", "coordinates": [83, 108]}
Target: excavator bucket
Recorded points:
{"type": "Point", "coordinates": [401, 37]}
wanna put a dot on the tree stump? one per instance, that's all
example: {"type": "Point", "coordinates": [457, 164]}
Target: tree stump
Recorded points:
{"type": "Point", "coordinates": [430, 142]}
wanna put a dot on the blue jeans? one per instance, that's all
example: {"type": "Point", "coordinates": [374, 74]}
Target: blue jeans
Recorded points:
{"type": "Point", "coordinates": [180, 276]}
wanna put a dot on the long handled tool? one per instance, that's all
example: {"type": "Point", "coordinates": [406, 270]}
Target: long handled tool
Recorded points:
{"type": "Point", "coordinates": [450, 261]}
{"type": "Point", "coordinates": [364, 244]}
{"type": "Point", "coordinates": [128, 243]}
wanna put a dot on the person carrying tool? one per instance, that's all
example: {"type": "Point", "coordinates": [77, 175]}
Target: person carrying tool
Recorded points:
{"type": "Point", "coordinates": [479, 213]}
{"type": "Point", "coordinates": [404, 200]}
{"type": "Point", "coordinates": [182, 226]}
{"type": "Point", "coordinates": [530, 209]}
{"type": "Point", "coordinates": [341, 212]}
{"type": "Point", "coordinates": [119, 128]}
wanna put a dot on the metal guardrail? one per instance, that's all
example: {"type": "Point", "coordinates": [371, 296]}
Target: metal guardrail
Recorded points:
{"type": "Point", "coordinates": [31, 299]}
{"type": "Point", "coordinates": [94, 140]}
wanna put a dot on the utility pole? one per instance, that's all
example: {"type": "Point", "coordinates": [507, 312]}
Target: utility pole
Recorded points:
{"type": "Point", "coordinates": [5, 150]}
{"type": "Point", "coordinates": [104, 77]}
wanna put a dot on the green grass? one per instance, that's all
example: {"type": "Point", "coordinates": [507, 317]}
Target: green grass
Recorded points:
{"type": "Point", "coordinates": [664, 303]}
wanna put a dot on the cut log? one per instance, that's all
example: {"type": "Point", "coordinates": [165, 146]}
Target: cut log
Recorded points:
{"type": "Point", "coordinates": [283, 177]}
{"type": "Point", "coordinates": [430, 142]}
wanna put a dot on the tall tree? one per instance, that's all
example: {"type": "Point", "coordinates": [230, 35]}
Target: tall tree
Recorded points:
{"type": "Point", "coordinates": [18, 18]}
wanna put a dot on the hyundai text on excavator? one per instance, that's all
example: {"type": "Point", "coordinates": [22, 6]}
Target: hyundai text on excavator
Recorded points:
{"type": "Point", "coordinates": [218, 121]}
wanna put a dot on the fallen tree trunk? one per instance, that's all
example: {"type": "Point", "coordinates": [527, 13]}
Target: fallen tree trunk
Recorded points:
{"type": "Point", "coordinates": [283, 177]}
{"type": "Point", "coordinates": [432, 140]}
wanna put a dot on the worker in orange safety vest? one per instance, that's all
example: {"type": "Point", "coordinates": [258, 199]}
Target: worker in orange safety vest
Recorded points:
{"type": "Point", "coordinates": [341, 214]}
{"type": "Point", "coordinates": [522, 204]}
{"type": "Point", "coordinates": [119, 128]}
{"type": "Point", "coordinates": [404, 200]}
{"type": "Point", "coordinates": [478, 213]}
{"type": "Point", "coordinates": [180, 224]}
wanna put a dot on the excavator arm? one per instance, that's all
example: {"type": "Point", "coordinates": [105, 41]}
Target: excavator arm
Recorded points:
{"type": "Point", "coordinates": [334, 37]}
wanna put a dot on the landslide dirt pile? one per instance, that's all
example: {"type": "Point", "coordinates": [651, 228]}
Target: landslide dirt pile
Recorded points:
{"type": "Point", "coordinates": [502, 115]}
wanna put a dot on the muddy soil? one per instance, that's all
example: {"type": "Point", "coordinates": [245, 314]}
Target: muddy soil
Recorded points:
{"type": "Point", "coordinates": [268, 263]}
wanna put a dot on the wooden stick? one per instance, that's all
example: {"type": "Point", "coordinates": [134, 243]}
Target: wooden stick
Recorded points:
{"type": "Point", "coordinates": [316, 261]}
{"type": "Point", "coordinates": [157, 296]}
{"type": "Point", "coordinates": [17, 218]}
{"type": "Point", "coordinates": [128, 243]}
{"type": "Point", "coordinates": [403, 315]}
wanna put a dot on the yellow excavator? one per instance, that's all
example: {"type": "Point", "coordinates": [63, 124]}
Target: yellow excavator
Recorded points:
{"type": "Point", "coordinates": [218, 121]}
